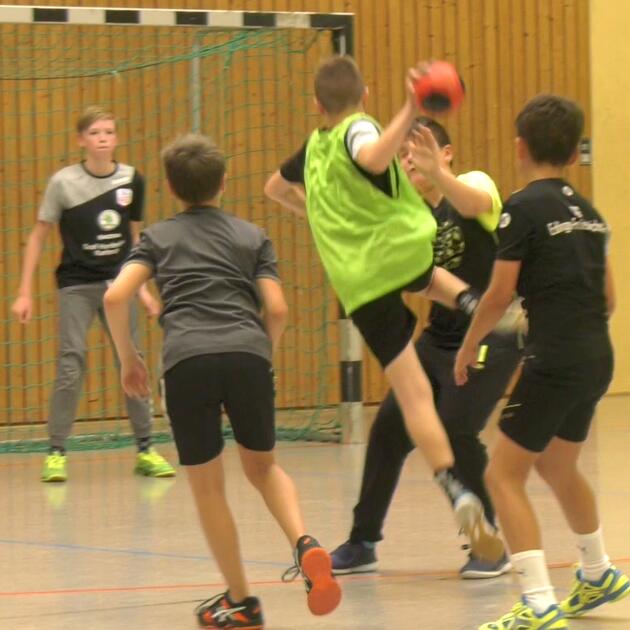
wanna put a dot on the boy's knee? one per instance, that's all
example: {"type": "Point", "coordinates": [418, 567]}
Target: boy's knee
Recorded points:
{"type": "Point", "coordinates": [256, 469]}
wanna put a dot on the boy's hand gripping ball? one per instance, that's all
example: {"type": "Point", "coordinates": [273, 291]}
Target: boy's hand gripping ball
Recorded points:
{"type": "Point", "coordinates": [439, 89]}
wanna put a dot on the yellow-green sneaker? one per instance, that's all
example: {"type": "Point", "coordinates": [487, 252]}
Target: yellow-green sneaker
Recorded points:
{"type": "Point", "coordinates": [151, 464]}
{"type": "Point", "coordinates": [55, 467]}
{"type": "Point", "coordinates": [522, 617]}
{"type": "Point", "coordinates": [584, 596]}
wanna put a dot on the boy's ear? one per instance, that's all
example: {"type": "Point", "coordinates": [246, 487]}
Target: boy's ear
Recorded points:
{"type": "Point", "coordinates": [573, 158]}
{"type": "Point", "coordinates": [319, 106]}
{"type": "Point", "coordinates": [447, 153]}
{"type": "Point", "coordinates": [366, 95]}
{"type": "Point", "coordinates": [80, 140]}
{"type": "Point", "coordinates": [522, 151]}
{"type": "Point", "coordinates": [223, 181]}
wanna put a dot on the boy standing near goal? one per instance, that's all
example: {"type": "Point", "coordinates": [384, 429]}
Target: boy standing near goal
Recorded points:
{"type": "Point", "coordinates": [224, 313]}
{"type": "Point", "coordinates": [374, 234]}
{"type": "Point", "coordinates": [467, 209]}
{"type": "Point", "coordinates": [98, 206]}
{"type": "Point", "coordinates": [552, 249]}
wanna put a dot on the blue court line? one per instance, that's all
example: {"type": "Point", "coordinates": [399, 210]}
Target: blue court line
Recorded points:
{"type": "Point", "coordinates": [132, 552]}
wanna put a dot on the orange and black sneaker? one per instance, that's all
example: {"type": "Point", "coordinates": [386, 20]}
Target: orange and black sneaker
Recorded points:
{"type": "Point", "coordinates": [313, 562]}
{"type": "Point", "coordinates": [220, 612]}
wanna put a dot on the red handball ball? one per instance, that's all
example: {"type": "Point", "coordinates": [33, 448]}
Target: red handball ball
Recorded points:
{"type": "Point", "coordinates": [440, 89]}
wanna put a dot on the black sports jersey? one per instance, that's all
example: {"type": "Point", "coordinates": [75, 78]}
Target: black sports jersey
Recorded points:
{"type": "Point", "coordinates": [467, 249]}
{"type": "Point", "coordinates": [93, 214]}
{"type": "Point", "coordinates": [560, 240]}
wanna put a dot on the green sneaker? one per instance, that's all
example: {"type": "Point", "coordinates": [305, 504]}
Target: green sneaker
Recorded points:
{"type": "Point", "coordinates": [55, 467]}
{"type": "Point", "coordinates": [151, 464]}
{"type": "Point", "coordinates": [522, 617]}
{"type": "Point", "coordinates": [584, 596]}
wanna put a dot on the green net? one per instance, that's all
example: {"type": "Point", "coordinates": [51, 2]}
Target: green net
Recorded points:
{"type": "Point", "coordinates": [251, 91]}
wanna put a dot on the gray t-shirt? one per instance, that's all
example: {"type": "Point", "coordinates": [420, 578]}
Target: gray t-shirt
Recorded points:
{"type": "Point", "coordinates": [206, 263]}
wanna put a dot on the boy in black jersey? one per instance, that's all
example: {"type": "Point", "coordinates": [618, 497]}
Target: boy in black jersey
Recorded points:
{"type": "Point", "coordinates": [552, 249]}
{"type": "Point", "coordinates": [98, 206]}
{"type": "Point", "coordinates": [224, 314]}
{"type": "Point", "coordinates": [467, 210]}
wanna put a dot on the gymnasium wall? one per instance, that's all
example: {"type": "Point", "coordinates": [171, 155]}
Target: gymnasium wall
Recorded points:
{"type": "Point", "coordinates": [506, 51]}
{"type": "Point", "coordinates": [610, 94]}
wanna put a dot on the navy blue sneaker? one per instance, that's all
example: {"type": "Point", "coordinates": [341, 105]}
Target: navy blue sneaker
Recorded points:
{"type": "Point", "coordinates": [353, 558]}
{"type": "Point", "coordinates": [478, 569]}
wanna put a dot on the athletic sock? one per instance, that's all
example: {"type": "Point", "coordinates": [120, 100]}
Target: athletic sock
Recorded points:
{"type": "Point", "coordinates": [594, 560]}
{"type": "Point", "coordinates": [144, 444]}
{"type": "Point", "coordinates": [534, 579]}
{"type": "Point", "coordinates": [447, 478]}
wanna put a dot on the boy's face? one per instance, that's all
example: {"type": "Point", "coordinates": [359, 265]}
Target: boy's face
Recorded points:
{"type": "Point", "coordinates": [99, 139]}
{"type": "Point", "coordinates": [421, 183]}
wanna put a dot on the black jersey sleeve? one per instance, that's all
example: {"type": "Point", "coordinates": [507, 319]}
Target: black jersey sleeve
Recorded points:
{"type": "Point", "coordinates": [143, 252]}
{"type": "Point", "coordinates": [293, 168]}
{"type": "Point", "coordinates": [136, 208]}
{"type": "Point", "coordinates": [515, 232]}
{"type": "Point", "coordinates": [267, 264]}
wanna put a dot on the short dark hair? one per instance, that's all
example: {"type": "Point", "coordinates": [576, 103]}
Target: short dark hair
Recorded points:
{"type": "Point", "coordinates": [439, 133]}
{"type": "Point", "coordinates": [338, 84]}
{"type": "Point", "coordinates": [551, 126]}
{"type": "Point", "coordinates": [195, 167]}
{"type": "Point", "coordinates": [92, 114]}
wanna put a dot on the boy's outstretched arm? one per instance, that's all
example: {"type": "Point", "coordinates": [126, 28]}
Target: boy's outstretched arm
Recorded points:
{"type": "Point", "coordinates": [286, 193]}
{"type": "Point", "coordinates": [117, 298]}
{"type": "Point", "coordinates": [469, 201]}
{"type": "Point", "coordinates": [275, 310]}
{"type": "Point", "coordinates": [375, 157]}
{"type": "Point", "coordinates": [492, 306]}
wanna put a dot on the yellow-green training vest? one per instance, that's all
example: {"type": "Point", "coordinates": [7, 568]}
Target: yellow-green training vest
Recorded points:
{"type": "Point", "coordinates": [370, 243]}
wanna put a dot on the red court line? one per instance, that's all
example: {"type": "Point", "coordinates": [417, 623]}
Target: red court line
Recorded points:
{"type": "Point", "coordinates": [179, 587]}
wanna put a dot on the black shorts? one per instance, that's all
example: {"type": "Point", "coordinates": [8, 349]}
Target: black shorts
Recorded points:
{"type": "Point", "coordinates": [199, 387]}
{"type": "Point", "coordinates": [387, 324]}
{"type": "Point", "coordinates": [550, 402]}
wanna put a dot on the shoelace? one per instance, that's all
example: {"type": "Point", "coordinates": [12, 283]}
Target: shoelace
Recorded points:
{"type": "Point", "coordinates": [291, 573]}
{"type": "Point", "coordinates": [208, 603]}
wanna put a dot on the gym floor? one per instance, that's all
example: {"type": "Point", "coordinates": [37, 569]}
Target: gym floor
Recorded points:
{"type": "Point", "coordinates": [112, 551]}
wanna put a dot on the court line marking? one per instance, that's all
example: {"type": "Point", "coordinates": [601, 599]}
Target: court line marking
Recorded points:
{"type": "Point", "coordinates": [215, 585]}
{"type": "Point", "coordinates": [132, 552]}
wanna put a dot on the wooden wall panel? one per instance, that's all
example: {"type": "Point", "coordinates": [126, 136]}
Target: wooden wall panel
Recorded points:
{"type": "Point", "coordinates": [506, 51]}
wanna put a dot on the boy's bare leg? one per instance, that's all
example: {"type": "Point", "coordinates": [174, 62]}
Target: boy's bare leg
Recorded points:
{"type": "Point", "coordinates": [558, 467]}
{"type": "Point", "coordinates": [506, 475]}
{"type": "Point", "coordinates": [207, 483]}
{"type": "Point", "coordinates": [415, 397]}
{"type": "Point", "coordinates": [277, 490]}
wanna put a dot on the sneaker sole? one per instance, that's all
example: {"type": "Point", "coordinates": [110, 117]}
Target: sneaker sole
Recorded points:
{"type": "Point", "coordinates": [146, 473]}
{"type": "Point", "coordinates": [471, 520]}
{"type": "Point", "coordinates": [55, 479]}
{"type": "Point", "coordinates": [325, 593]}
{"type": "Point", "coordinates": [485, 575]}
{"type": "Point", "coordinates": [363, 568]}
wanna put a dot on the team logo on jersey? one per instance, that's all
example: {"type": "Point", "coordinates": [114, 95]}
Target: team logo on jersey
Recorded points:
{"type": "Point", "coordinates": [108, 220]}
{"type": "Point", "coordinates": [124, 196]}
{"type": "Point", "coordinates": [576, 212]}
{"type": "Point", "coordinates": [567, 191]}
{"type": "Point", "coordinates": [505, 220]}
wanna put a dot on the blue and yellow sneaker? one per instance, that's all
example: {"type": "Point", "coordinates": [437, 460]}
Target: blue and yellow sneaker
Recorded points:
{"type": "Point", "coordinates": [55, 467]}
{"type": "Point", "coordinates": [522, 617]}
{"type": "Point", "coordinates": [584, 596]}
{"type": "Point", "coordinates": [151, 464]}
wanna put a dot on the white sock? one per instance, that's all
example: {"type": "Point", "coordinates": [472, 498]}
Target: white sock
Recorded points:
{"type": "Point", "coordinates": [534, 578]}
{"type": "Point", "coordinates": [594, 560]}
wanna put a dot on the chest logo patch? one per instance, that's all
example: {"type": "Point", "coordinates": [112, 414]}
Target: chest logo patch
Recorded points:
{"type": "Point", "coordinates": [449, 246]}
{"type": "Point", "coordinates": [108, 220]}
{"type": "Point", "coordinates": [124, 196]}
{"type": "Point", "coordinates": [505, 220]}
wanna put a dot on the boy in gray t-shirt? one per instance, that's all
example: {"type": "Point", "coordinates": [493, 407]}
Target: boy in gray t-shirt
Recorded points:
{"type": "Point", "coordinates": [224, 313]}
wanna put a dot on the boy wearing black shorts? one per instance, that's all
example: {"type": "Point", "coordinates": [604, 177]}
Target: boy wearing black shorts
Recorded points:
{"type": "Point", "coordinates": [224, 313]}
{"type": "Point", "coordinates": [552, 249]}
